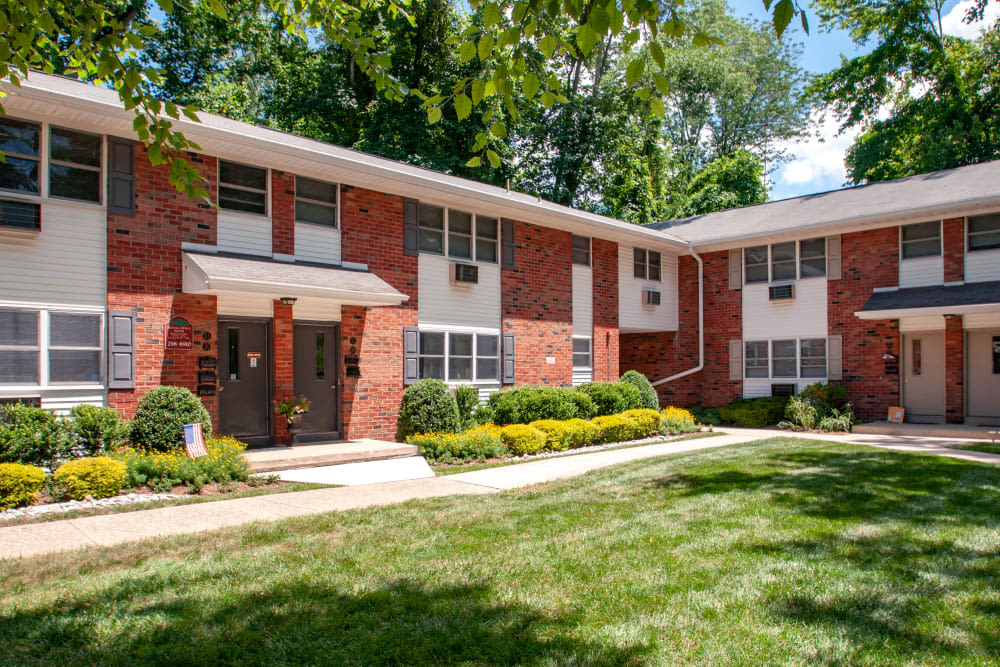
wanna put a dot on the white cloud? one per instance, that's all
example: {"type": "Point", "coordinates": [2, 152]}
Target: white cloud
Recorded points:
{"type": "Point", "coordinates": [817, 163]}
{"type": "Point", "coordinates": [953, 24]}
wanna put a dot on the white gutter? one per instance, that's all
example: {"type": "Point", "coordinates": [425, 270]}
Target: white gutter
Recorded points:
{"type": "Point", "coordinates": [701, 327]}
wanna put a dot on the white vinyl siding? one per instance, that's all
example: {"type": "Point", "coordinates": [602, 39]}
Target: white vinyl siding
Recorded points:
{"type": "Point", "coordinates": [472, 305]}
{"type": "Point", "coordinates": [314, 243]}
{"type": "Point", "coordinates": [244, 233]}
{"type": "Point", "coordinates": [805, 316]}
{"type": "Point", "coordinates": [633, 316]}
{"type": "Point", "coordinates": [583, 300]}
{"type": "Point", "coordinates": [982, 266]}
{"type": "Point", "coordinates": [982, 256]}
{"type": "Point", "coordinates": [921, 272]}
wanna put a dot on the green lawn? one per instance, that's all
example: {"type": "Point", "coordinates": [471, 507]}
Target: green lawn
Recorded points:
{"type": "Point", "coordinates": [787, 552]}
{"type": "Point", "coordinates": [987, 447]}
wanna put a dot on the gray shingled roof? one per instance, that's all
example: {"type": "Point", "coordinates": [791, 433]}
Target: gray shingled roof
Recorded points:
{"type": "Point", "coordinates": [934, 194]}
{"type": "Point", "coordinates": [972, 294]}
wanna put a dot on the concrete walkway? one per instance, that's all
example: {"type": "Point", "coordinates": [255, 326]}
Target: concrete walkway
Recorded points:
{"type": "Point", "coordinates": [110, 529]}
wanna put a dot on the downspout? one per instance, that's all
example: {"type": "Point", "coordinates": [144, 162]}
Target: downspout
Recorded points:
{"type": "Point", "coordinates": [701, 327]}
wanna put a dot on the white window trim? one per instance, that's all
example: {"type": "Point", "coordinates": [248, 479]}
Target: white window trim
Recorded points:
{"type": "Point", "coordinates": [475, 332]}
{"type": "Point", "coordinates": [969, 234]}
{"type": "Point", "coordinates": [335, 205]}
{"type": "Point", "coordinates": [798, 262]}
{"type": "Point", "coordinates": [446, 232]}
{"type": "Point", "coordinates": [267, 189]}
{"type": "Point", "coordinates": [590, 251]}
{"type": "Point", "coordinates": [798, 377]}
{"type": "Point", "coordinates": [590, 353]}
{"type": "Point", "coordinates": [940, 239]}
{"type": "Point", "coordinates": [645, 276]}
{"type": "Point", "coordinates": [43, 347]}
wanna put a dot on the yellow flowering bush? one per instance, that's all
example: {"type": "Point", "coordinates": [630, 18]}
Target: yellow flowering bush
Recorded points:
{"type": "Point", "coordinates": [163, 470]}
{"type": "Point", "coordinates": [94, 476]}
{"type": "Point", "coordinates": [615, 428]}
{"type": "Point", "coordinates": [480, 443]}
{"type": "Point", "coordinates": [557, 434]}
{"type": "Point", "coordinates": [522, 439]}
{"type": "Point", "coordinates": [581, 432]}
{"type": "Point", "coordinates": [647, 422]}
{"type": "Point", "coordinates": [674, 421]}
{"type": "Point", "coordinates": [19, 484]}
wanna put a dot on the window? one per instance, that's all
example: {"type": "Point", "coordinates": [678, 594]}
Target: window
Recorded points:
{"type": "Point", "coordinates": [921, 240]}
{"type": "Point", "coordinates": [581, 250]}
{"type": "Point", "coordinates": [74, 165]}
{"type": "Point", "coordinates": [19, 142]}
{"type": "Point", "coordinates": [459, 357]}
{"type": "Point", "coordinates": [487, 237]}
{"type": "Point", "coordinates": [984, 232]}
{"type": "Point", "coordinates": [755, 261]}
{"type": "Point", "coordinates": [74, 348]}
{"type": "Point", "coordinates": [430, 227]}
{"type": "Point", "coordinates": [233, 336]}
{"type": "Point", "coordinates": [581, 353]}
{"type": "Point", "coordinates": [812, 258]}
{"type": "Point", "coordinates": [783, 359]}
{"type": "Point", "coordinates": [242, 188]}
{"type": "Point", "coordinates": [916, 362]}
{"type": "Point", "coordinates": [812, 359]}
{"type": "Point", "coordinates": [783, 261]}
{"type": "Point", "coordinates": [460, 234]}
{"type": "Point", "coordinates": [315, 202]}
{"type": "Point", "coordinates": [646, 264]}
{"type": "Point", "coordinates": [320, 355]}
{"type": "Point", "coordinates": [756, 361]}
{"type": "Point", "coordinates": [19, 347]}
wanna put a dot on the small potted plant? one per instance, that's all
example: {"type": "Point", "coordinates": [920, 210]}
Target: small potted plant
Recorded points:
{"type": "Point", "coordinates": [292, 409]}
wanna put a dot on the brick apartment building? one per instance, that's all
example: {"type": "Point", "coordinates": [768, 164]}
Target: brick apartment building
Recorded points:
{"type": "Point", "coordinates": [341, 276]}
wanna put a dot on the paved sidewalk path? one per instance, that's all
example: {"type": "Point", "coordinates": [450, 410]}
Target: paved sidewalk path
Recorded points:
{"type": "Point", "coordinates": [110, 529]}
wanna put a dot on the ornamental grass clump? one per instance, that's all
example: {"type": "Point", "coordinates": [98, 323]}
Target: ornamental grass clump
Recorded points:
{"type": "Point", "coordinates": [674, 421]}
{"type": "Point", "coordinates": [477, 444]}
{"type": "Point", "coordinates": [94, 476]}
{"type": "Point", "coordinates": [19, 484]}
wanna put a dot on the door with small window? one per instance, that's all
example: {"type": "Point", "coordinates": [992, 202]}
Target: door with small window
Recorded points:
{"type": "Point", "coordinates": [923, 377]}
{"type": "Point", "coordinates": [317, 377]}
{"type": "Point", "coordinates": [245, 381]}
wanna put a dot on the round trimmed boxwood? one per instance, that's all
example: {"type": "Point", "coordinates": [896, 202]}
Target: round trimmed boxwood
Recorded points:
{"type": "Point", "coordinates": [647, 393]}
{"type": "Point", "coordinates": [159, 421]}
{"type": "Point", "coordinates": [94, 476]}
{"type": "Point", "coordinates": [19, 484]}
{"type": "Point", "coordinates": [427, 407]}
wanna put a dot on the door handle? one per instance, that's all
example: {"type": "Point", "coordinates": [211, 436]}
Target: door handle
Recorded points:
{"type": "Point", "coordinates": [333, 386]}
{"type": "Point", "coordinates": [219, 387]}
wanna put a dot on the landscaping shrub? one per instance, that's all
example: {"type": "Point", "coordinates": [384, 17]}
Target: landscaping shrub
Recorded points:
{"type": "Point", "coordinates": [754, 412]}
{"type": "Point", "coordinates": [800, 413]}
{"type": "Point", "coordinates": [838, 420]}
{"type": "Point", "coordinates": [674, 421]}
{"type": "Point", "coordinates": [163, 411]}
{"type": "Point", "coordinates": [581, 432]}
{"type": "Point", "coordinates": [834, 395]}
{"type": "Point", "coordinates": [706, 416]}
{"type": "Point", "coordinates": [522, 439]}
{"type": "Point", "coordinates": [585, 408]}
{"type": "Point", "coordinates": [165, 470]}
{"type": "Point", "coordinates": [616, 428]}
{"type": "Point", "coordinates": [647, 393]}
{"type": "Point", "coordinates": [97, 429]}
{"type": "Point", "coordinates": [32, 436]}
{"type": "Point", "coordinates": [94, 476]}
{"type": "Point", "coordinates": [557, 433]}
{"type": "Point", "coordinates": [647, 422]}
{"type": "Point", "coordinates": [466, 399]}
{"type": "Point", "coordinates": [524, 405]}
{"type": "Point", "coordinates": [427, 407]}
{"type": "Point", "coordinates": [19, 484]}
{"type": "Point", "coordinates": [480, 443]}
{"type": "Point", "coordinates": [482, 415]}
{"type": "Point", "coordinates": [612, 398]}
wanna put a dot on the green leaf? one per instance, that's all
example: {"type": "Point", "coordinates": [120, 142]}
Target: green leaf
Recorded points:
{"type": "Point", "coordinates": [485, 47]}
{"type": "Point", "coordinates": [548, 99]}
{"type": "Point", "coordinates": [478, 89]}
{"type": "Point", "coordinates": [805, 21]}
{"type": "Point", "coordinates": [700, 39]}
{"type": "Point", "coordinates": [475, 162]}
{"type": "Point", "coordinates": [642, 94]}
{"type": "Point", "coordinates": [433, 115]}
{"type": "Point", "coordinates": [599, 20]}
{"type": "Point", "coordinates": [586, 38]}
{"type": "Point", "coordinates": [634, 71]}
{"type": "Point", "coordinates": [656, 51]}
{"type": "Point", "coordinates": [531, 85]}
{"type": "Point", "coordinates": [491, 15]}
{"type": "Point", "coordinates": [463, 106]}
{"type": "Point", "coordinates": [499, 130]}
{"type": "Point", "coordinates": [467, 51]}
{"type": "Point", "coordinates": [661, 84]}
{"type": "Point", "coordinates": [548, 46]}
{"type": "Point", "coordinates": [783, 13]}
{"type": "Point", "coordinates": [493, 158]}
{"type": "Point", "coordinates": [656, 107]}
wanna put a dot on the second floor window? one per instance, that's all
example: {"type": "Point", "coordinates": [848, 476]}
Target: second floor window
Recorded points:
{"type": "Point", "coordinates": [19, 142]}
{"type": "Point", "coordinates": [984, 232]}
{"type": "Point", "coordinates": [581, 250]}
{"type": "Point", "coordinates": [315, 202]}
{"type": "Point", "coordinates": [74, 165]}
{"type": "Point", "coordinates": [783, 261]}
{"type": "Point", "coordinates": [242, 188]}
{"type": "Point", "coordinates": [646, 264]}
{"type": "Point", "coordinates": [755, 262]}
{"type": "Point", "coordinates": [468, 236]}
{"type": "Point", "coordinates": [921, 240]}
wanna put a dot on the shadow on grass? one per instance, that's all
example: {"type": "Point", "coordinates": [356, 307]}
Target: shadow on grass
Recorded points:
{"type": "Point", "coordinates": [303, 623]}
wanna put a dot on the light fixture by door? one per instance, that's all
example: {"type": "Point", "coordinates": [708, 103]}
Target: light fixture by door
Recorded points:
{"type": "Point", "coordinates": [288, 300]}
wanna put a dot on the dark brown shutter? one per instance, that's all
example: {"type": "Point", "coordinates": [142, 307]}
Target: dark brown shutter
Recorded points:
{"type": "Point", "coordinates": [121, 176]}
{"type": "Point", "coordinates": [508, 358]}
{"type": "Point", "coordinates": [411, 355]}
{"type": "Point", "coordinates": [121, 349]}
{"type": "Point", "coordinates": [507, 244]}
{"type": "Point", "coordinates": [735, 269]}
{"type": "Point", "coordinates": [735, 359]}
{"type": "Point", "coordinates": [410, 231]}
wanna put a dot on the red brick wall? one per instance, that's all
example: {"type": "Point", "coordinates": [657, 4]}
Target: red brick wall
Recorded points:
{"type": "Point", "coordinates": [606, 340]}
{"type": "Point", "coordinates": [870, 260]}
{"type": "Point", "coordinates": [659, 355]}
{"type": "Point", "coordinates": [954, 368]}
{"type": "Point", "coordinates": [284, 369]}
{"type": "Point", "coordinates": [145, 276]}
{"type": "Point", "coordinates": [372, 233]}
{"type": "Point", "coordinates": [282, 213]}
{"type": "Point", "coordinates": [953, 245]}
{"type": "Point", "coordinates": [537, 305]}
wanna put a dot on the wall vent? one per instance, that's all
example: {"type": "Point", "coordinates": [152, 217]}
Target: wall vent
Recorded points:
{"type": "Point", "coordinates": [650, 297]}
{"type": "Point", "coordinates": [464, 274]}
{"type": "Point", "coordinates": [781, 292]}
{"type": "Point", "coordinates": [20, 216]}
{"type": "Point", "coordinates": [783, 389]}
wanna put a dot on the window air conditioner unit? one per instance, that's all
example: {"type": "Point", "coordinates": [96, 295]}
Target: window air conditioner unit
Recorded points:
{"type": "Point", "coordinates": [782, 292]}
{"type": "Point", "coordinates": [464, 274]}
{"type": "Point", "coordinates": [650, 297]}
{"type": "Point", "coordinates": [783, 390]}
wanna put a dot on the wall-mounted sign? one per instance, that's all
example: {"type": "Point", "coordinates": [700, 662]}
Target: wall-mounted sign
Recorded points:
{"type": "Point", "coordinates": [254, 358]}
{"type": "Point", "coordinates": [206, 390]}
{"type": "Point", "coordinates": [179, 334]}
{"type": "Point", "coordinates": [205, 377]}
{"type": "Point", "coordinates": [551, 361]}
{"type": "Point", "coordinates": [206, 362]}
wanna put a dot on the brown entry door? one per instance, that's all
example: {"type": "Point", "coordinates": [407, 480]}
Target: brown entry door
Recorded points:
{"type": "Point", "coordinates": [316, 377]}
{"type": "Point", "coordinates": [923, 377]}
{"type": "Point", "coordinates": [244, 381]}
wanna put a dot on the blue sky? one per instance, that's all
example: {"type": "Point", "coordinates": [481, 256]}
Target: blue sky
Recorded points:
{"type": "Point", "coordinates": [818, 163]}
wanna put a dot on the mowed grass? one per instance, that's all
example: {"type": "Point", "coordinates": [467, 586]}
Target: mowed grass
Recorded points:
{"type": "Point", "coordinates": [783, 552]}
{"type": "Point", "coordinates": [987, 447]}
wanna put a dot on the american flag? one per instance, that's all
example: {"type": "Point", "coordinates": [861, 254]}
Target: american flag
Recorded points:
{"type": "Point", "coordinates": [193, 442]}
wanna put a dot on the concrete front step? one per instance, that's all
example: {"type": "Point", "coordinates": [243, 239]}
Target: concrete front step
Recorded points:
{"type": "Point", "coordinates": [272, 459]}
{"type": "Point", "coordinates": [959, 431]}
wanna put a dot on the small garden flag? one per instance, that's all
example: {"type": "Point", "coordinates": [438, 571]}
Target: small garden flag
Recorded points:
{"type": "Point", "coordinates": [193, 442]}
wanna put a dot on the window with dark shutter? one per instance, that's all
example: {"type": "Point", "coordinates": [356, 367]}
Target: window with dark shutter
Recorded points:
{"type": "Point", "coordinates": [508, 358]}
{"type": "Point", "coordinates": [411, 355]}
{"type": "Point", "coordinates": [121, 349]}
{"type": "Point", "coordinates": [410, 229]}
{"type": "Point", "coordinates": [121, 176]}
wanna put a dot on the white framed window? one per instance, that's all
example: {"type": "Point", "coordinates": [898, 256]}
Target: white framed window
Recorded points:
{"type": "Point", "coordinates": [583, 353]}
{"type": "Point", "coordinates": [51, 347]}
{"type": "Point", "coordinates": [785, 261]}
{"type": "Point", "coordinates": [812, 258]}
{"type": "Point", "coordinates": [785, 358]}
{"type": "Point", "coordinates": [75, 164]}
{"type": "Point", "coordinates": [783, 264]}
{"type": "Point", "coordinates": [459, 356]}
{"type": "Point", "coordinates": [20, 142]}
{"type": "Point", "coordinates": [75, 348]}
{"type": "Point", "coordinates": [242, 188]}
{"type": "Point", "coordinates": [315, 202]}
{"type": "Point", "coordinates": [812, 358]}
{"type": "Point", "coordinates": [756, 360]}
{"type": "Point", "coordinates": [581, 250]}
{"type": "Point", "coordinates": [920, 240]}
{"type": "Point", "coordinates": [458, 234]}
{"type": "Point", "coordinates": [755, 261]}
{"type": "Point", "coordinates": [430, 228]}
{"type": "Point", "coordinates": [646, 264]}
{"type": "Point", "coordinates": [20, 347]}
{"type": "Point", "coordinates": [984, 232]}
